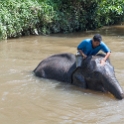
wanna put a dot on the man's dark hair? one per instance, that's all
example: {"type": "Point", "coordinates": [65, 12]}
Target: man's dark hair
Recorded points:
{"type": "Point", "coordinates": [97, 37]}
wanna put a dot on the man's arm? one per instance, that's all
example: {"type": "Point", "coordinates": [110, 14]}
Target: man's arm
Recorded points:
{"type": "Point", "coordinates": [82, 53]}
{"type": "Point", "coordinates": [105, 58]}
{"type": "Point", "coordinates": [107, 51]}
{"type": "Point", "coordinates": [81, 47]}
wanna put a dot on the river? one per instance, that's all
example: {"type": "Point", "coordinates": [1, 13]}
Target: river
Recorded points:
{"type": "Point", "coordinates": [26, 99]}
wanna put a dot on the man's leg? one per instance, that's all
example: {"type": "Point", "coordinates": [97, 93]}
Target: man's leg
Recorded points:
{"type": "Point", "coordinates": [79, 60]}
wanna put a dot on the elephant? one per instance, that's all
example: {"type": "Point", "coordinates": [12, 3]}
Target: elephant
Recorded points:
{"type": "Point", "coordinates": [90, 75]}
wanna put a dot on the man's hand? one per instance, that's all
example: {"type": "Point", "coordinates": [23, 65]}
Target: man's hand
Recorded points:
{"type": "Point", "coordinates": [102, 62]}
{"type": "Point", "coordinates": [84, 56]}
{"type": "Point", "coordinates": [105, 58]}
{"type": "Point", "coordinates": [82, 53]}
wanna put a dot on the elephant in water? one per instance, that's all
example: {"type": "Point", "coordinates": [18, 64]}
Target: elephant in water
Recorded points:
{"type": "Point", "coordinates": [91, 75]}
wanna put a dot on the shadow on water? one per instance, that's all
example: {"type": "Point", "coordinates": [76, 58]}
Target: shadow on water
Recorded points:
{"type": "Point", "coordinates": [116, 30]}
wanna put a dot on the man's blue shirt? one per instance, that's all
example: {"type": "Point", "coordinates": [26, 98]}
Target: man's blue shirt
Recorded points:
{"type": "Point", "coordinates": [86, 47]}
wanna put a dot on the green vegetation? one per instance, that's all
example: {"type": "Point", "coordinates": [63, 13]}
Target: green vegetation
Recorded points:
{"type": "Point", "coordinates": [25, 17]}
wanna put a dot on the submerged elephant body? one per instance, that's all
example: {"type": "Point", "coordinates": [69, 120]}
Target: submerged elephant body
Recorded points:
{"type": "Point", "coordinates": [91, 75]}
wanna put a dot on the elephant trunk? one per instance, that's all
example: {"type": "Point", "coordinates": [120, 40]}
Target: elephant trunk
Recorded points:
{"type": "Point", "coordinates": [113, 86]}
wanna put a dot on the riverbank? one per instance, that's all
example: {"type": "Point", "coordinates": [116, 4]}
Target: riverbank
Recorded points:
{"type": "Point", "coordinates": [27, 17]}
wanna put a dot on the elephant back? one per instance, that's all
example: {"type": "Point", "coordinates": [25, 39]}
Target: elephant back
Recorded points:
{"type": "Point", "coordinates": [58, 67]}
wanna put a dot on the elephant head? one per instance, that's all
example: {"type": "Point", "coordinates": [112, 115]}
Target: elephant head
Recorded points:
{"type": "Point", "coordinates": [93, 75]}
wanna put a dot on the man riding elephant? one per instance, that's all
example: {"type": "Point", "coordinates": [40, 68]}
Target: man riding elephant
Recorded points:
{"type": "Point", "coordinates": [90, 75]}
{"type": "Point", "coordinates": [91, 47]}
{"type": "Point", "coordinates": [95, 72]}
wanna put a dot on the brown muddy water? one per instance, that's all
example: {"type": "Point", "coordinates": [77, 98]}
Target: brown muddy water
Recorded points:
{"type": "Point", "coordinates": [26, 99]}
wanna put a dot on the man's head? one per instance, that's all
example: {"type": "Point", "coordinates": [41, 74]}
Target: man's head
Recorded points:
{"type": "Point", "coordinates": [96, 40]}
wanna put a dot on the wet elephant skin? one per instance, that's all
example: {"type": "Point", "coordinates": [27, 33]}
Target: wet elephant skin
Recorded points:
{"type": "Point", "coordinates": [91, 75]}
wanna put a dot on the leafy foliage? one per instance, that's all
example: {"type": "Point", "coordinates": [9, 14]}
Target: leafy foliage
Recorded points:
{"type": "Point", "coordinates": [22, 17]}
{"type": "Point", "coordinates": [110, 11]}
{"type": "Point", "coordinates": [25, 17]}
